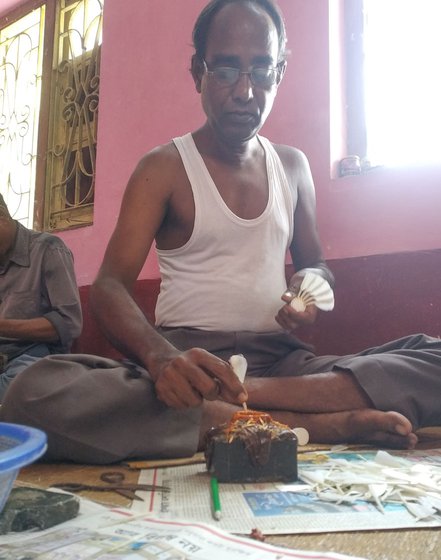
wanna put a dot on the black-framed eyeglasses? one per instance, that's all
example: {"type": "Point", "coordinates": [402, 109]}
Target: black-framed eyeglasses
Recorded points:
{"type": "Point", "coordinates": [260, 76]}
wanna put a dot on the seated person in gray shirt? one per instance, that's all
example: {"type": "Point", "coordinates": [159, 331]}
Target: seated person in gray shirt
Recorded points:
{"type": "Point", "coordinates": [40, 310]}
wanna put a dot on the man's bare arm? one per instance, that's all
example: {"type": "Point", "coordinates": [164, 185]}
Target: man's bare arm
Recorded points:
{"type": "Point", "coordinates": [38, 329]}
{"type": "Point", "coordinates": [142, 211]}
{"type": "Point", "coordinates": [181, 378]}
{"type": "Point", "coordinates": [305, 249]}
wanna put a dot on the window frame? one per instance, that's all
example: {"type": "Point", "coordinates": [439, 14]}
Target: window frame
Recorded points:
{"type": "Point", "coordinates": [43, 210]}
{"type": "Point", "coordinates": [43, 121]}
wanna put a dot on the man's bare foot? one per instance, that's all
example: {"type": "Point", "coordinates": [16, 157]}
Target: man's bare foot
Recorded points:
{"type": "Point", "coordinates": [375, 427]}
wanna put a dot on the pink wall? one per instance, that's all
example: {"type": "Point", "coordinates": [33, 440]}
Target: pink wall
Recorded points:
{"type": "Point", "coordinates": [147, 97]}
{"type": "Point", "coordinates": [6, 5]}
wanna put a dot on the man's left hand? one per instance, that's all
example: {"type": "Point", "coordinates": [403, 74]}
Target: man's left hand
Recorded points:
{"type": "Point", "coordinates": [290, 319]}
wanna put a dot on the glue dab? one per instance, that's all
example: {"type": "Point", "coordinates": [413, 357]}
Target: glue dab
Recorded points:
{"type": "Point", "coordinates": [302, 435]}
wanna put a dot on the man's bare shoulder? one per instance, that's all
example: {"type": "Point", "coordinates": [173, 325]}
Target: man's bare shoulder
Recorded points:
{"type": "Point", "coordinates": [296, 167]}
{"type": "Point", "coordinates": [164, 157]}
{"type": "Point", "coordinates": [157, 172]}
{"type": "Point", "coordinates": [292, 158]}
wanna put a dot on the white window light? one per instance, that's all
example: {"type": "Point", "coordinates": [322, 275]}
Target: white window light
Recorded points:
{"type": "Point", "coordinates": [403, 81]}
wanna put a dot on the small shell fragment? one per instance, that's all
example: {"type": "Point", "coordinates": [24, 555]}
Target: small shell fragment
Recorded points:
{"type": "Point", "coordinates": [302, 435]}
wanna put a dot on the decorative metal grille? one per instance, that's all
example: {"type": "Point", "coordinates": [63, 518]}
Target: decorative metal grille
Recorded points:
{"type": "Point", "coordinates": [21, 46]}
{"type": "Point", "coordinates": [74, 115]}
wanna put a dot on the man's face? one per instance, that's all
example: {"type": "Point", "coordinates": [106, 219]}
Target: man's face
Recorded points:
{"type": "Point", "coordinates": [241, 36]}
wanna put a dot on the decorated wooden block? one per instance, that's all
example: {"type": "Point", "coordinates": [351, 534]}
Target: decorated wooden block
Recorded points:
{"type": "Point", "coordinates": [252, 448]}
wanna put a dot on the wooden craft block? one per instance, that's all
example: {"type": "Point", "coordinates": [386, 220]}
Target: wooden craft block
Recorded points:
{"type": "Point", "coordinates": [257, 452]}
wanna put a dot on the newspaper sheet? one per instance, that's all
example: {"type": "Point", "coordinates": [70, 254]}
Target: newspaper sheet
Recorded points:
{"type": "Point", "coordinates": [119, 534]}
{"type": "Point", "coordinates": [271, 507]}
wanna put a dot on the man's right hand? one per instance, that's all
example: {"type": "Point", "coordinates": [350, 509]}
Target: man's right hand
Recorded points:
{"type": "Point", "coordinates": [191, 376]}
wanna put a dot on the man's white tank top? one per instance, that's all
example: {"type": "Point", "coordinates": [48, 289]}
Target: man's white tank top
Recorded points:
{"type": "Point", "coordinates": [230, 274]}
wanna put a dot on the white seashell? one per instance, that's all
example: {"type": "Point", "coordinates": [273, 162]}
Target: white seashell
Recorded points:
{"type": "Point", "coordinates": [314, 289]}
{"type": "Point", "coordinates": [298, 303]}
{"type": "Point", "coordinates": [239, 365]}
{"type": "Point", "coordinates": [302, 435]}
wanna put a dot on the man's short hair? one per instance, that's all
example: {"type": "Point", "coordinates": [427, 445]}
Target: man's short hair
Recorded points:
{"type": "Point", "coordinates": [202, 26]}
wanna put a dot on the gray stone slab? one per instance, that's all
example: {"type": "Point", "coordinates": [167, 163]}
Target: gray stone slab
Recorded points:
{"type": "Point", "coordinates": [32, 508]}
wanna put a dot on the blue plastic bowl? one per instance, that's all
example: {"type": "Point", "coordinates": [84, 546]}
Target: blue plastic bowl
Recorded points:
{"type": "Point", "coordinates": [19, 446]}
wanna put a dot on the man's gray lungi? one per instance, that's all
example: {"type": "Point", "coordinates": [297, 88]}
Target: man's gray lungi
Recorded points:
{"type": "Point", "coordinates": [98, 410]}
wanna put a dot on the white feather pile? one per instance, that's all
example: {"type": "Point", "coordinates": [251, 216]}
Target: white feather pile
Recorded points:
{"type": "Point", "coordinates": [386, 479]}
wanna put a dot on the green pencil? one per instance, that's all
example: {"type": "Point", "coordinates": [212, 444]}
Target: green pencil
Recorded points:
{"type": "Point", "coordinates": [215, 497]}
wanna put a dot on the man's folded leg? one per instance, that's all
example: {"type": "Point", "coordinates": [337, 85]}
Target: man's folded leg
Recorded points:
{"type": "Point", "coordinates": [98, 410]}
